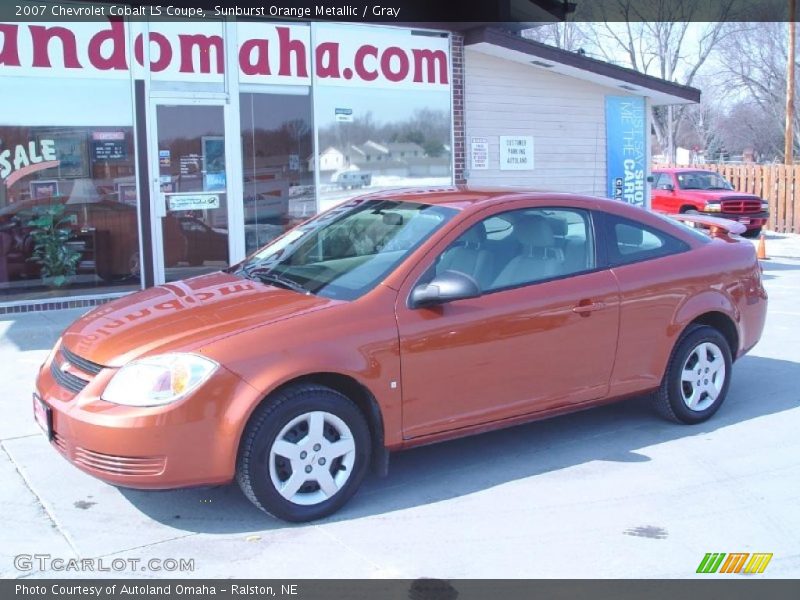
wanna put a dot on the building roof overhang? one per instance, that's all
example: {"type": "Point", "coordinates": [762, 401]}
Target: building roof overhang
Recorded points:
{"type": "Point", "coordinates": [510, 46]}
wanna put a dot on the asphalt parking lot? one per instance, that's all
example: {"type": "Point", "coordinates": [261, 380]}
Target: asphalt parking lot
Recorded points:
{"type": "Point", "coordinates": [611, 492]}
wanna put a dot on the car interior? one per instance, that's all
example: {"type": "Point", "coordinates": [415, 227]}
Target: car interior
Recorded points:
{"type": "Point", "coordinates": [521, 247]}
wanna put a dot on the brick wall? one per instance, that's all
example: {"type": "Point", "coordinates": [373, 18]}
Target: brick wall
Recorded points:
{"type": "Point", "coordinates": [459, 136]}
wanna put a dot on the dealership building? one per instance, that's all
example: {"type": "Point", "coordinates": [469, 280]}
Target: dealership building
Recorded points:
{"type": "Point", "coordinates": [168, 149]}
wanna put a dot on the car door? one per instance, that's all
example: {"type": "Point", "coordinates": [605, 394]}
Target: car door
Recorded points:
{"type": "Point", "coordinates": [664, 198]}
{"type": "Point", "coordinates": [540, 336]}
{"type": "Point", "coordinates": [659, 197]}
{"type": "Point", "coordinates": [645, 260]}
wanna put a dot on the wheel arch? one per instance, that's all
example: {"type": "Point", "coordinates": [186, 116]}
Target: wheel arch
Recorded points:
{"type": "Point", "coordinates": [722, 323]}
{"type": "Point", "coordinates": [353, 389]}
{"type": "Point", "coordinates": [711, 307]}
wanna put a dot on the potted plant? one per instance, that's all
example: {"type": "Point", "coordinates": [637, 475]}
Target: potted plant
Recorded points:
{"type": "Point", "coordinates": [51, 234]}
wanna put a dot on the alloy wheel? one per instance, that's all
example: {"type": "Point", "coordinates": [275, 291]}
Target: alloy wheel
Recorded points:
{"type": "Point", "coordinates": [312, 458]}
{"type": "Point", "coordinates": [703, 376]}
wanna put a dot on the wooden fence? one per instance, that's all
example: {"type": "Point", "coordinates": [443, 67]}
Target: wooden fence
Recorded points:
{"type": "Point", "coordinates": [778, 184]}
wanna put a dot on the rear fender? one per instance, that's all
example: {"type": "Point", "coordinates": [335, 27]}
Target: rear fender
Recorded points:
{"type": "Point", "coordinates": [704, 303]}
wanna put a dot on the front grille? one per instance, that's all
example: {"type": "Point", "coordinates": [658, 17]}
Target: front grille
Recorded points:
{"type": "Point", "coordinates": [60, 443]}
{"type": "Point", "coordinates": [120, 465]}
{"type": "Point", "coordinates": [68, 381]}
{"type": "Point", "coordinates": [741, 205]}
{"type": "Point", "coordinates": [83, 364]}
{"type": "Point", "coordinates": [110, 463]}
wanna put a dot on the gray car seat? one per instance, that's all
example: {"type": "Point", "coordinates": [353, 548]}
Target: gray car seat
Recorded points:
{"type": "Point", "coordinates": [540, 257]}
{"type": "Point", "coordinates": [469, 256]}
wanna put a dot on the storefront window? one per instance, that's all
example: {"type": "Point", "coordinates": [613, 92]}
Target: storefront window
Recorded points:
{"type": "Point", "coordinates": [193, 180]}
{"type": "Point", "coordinates": [326, 111]}
{"type": "Point", "coordinates": [388, 124]}
{"type": "Point", "coordinates": [68, 200]}
{"type": "Point", "coordinates": [277, 138]}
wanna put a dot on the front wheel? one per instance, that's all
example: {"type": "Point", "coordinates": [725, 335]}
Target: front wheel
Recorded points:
{"type": "Point", "coordinates": [304, 453]}
{"type": "Point", "coordinates": [752, 233]}
{"type": "Point", "coordinates": [697, 377]}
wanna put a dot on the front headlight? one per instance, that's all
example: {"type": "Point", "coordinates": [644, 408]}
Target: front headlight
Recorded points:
{"type": "Point", "coordinates": [764, 205]}
{"type": "Point", "coordinates": [158, 380]}
{"type": "Point", "coordinates": [713, 207]}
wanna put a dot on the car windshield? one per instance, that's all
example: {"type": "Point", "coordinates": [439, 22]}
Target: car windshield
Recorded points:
{"type": "Point", "coordinates": [346, 251]}
{"type": "Point", "coordinates": [702, 180]}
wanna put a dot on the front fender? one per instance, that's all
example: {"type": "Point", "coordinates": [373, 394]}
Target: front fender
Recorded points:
{"type": "Point", "coordinates": [355, 341]}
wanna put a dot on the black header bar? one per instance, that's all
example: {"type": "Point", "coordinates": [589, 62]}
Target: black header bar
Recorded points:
{"type": "Point", "coordinates": [462, 14]}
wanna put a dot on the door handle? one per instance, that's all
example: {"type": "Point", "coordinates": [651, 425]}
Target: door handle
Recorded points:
{"type": "Point", "coordinates": [585, 307]}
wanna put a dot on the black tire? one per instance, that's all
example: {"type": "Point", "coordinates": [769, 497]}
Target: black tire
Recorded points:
{"type": "Point", "coordinates": [253, 468]}
{"type": "Point", "coordinates": [669, 398]}
{"type": "Point", "coordinates": [752, 233]}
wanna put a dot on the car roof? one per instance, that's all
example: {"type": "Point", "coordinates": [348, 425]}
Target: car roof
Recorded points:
{"type": "Point", "coordinates": [463, 197]}
{"type": "Point", "coordinates": [682, 170]}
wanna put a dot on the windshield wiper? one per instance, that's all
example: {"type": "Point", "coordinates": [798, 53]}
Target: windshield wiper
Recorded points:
{"type": "Point", "coordinates": [266, 276]}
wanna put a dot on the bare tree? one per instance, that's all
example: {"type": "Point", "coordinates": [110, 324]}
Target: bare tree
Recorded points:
{"type": "Point", "coordinates": [700, 126]}
{"type": "Point", "coordinates": [566, 35]}
{"type": "Point", "coordinates": [663, 38]}
{"type": "Point", "coordinates": [753, 59]}
{"type": "Point", "coordinates": [674, 47]}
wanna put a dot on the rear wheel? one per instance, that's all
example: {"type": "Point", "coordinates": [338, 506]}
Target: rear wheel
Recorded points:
{"type": "Point", "coordinates": [304, 453]}
{"type": "Point", "coordinates": [697, 378]}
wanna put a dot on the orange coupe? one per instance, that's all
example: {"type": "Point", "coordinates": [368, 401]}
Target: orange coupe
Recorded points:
{"type": "Point", "coordinates": [394, 320]}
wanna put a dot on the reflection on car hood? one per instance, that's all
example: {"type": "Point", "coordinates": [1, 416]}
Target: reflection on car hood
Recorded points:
{"type": "Point", "coordinates": [182, 316]}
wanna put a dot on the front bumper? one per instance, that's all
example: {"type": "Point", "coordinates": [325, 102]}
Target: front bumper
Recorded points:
{"type": "Point", "coordinates": [189, 443]}
{"type": "Point", "coordinates": [750, 220]}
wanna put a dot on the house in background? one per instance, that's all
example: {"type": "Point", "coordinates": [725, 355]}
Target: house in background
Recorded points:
{"type": "Point", "coordinates": [330, 159]}
{"type": "Point", "coordinates": [388, 159]}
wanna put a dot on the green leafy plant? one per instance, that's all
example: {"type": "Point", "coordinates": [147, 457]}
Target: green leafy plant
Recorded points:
{"type": "Point", "coordinates": [50, 234]}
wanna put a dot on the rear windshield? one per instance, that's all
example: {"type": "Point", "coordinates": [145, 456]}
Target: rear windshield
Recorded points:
{"type": "Point", "coordinates": [696, 232]}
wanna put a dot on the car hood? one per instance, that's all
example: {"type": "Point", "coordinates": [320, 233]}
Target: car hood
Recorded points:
{"type": "Point", "coordinates": [182, 316]}
{"type": "Point", "coordinates": [714, 195]}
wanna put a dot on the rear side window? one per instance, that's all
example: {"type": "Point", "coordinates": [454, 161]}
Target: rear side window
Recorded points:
{"type": "Point", "coordinates": [630, 241]}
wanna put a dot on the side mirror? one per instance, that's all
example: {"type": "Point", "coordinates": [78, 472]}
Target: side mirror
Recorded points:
{"type": "Point", "coordinates": [445, 287]}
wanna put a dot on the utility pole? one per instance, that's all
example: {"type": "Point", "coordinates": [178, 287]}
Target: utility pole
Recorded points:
{"type": "Point", "coordinates": [789, 133]}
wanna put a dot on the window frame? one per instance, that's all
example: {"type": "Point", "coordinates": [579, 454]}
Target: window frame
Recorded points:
{"type": "Point", "coordinates": [594, 229]}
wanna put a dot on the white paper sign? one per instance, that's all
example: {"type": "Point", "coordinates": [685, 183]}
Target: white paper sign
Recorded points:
{"type": "Point", "coordinates": [192, 201]}
{"type": "Point", "coordinates": [516, 152]}
{"type": "Point", "coordinates": [479, 150]}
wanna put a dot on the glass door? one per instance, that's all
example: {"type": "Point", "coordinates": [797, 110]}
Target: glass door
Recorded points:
{"type": "Point", "coordinates": [188, 148]}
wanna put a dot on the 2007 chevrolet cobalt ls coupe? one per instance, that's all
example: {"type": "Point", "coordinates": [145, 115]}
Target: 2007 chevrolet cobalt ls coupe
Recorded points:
{"type": "Point", "coordinates": [395, 320]}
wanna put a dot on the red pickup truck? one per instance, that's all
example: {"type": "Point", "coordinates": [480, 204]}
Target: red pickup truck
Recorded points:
{"type": "Point", "coordinates": [695, 191]}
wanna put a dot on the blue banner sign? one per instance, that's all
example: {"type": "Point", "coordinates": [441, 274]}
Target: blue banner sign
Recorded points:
{"type": "Point", "coordinates": [625, 149]}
